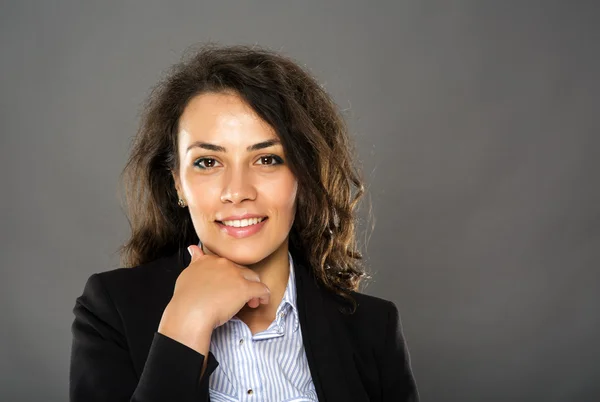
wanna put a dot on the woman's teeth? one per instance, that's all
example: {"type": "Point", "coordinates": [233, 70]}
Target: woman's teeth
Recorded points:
{"type": "Point", "coordinates": [243, 223]}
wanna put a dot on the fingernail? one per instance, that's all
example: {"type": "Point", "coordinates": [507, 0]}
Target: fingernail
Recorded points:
{"type": "Point", "coordinates": [189, 249]}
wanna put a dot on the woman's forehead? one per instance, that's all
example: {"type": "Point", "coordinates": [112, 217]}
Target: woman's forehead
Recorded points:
{"type": "Point", "coordinates": [222, 119]}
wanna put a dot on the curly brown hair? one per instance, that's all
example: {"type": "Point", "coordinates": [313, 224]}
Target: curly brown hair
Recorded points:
{"type": "Point", "coordinates": [314, 138]}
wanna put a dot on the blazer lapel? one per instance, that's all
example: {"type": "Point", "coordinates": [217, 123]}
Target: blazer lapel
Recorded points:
{"type": "Point", "coordinates": [329, 351]}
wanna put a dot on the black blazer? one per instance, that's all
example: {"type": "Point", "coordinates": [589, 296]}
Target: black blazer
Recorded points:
{"type": "Point", "coordinates": [118, 355]}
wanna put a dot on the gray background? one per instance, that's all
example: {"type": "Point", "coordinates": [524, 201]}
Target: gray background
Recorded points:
{"type": "Point", "coordinates": [477, 124]}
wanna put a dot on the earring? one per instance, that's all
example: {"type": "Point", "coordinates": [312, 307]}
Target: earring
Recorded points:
{"type": "Point", "coordinates": [181, 203]}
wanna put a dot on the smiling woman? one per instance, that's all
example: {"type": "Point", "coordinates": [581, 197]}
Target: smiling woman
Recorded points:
{"type": "Point", "coordinates": [232, 167]}
{"type": "Point", "coordinates": [242, 159]}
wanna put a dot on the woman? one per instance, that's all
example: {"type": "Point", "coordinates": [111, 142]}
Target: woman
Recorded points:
{"type": "Point", "coordinates": [242, 160]}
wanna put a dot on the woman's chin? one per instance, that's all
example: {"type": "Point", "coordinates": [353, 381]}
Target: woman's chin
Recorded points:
{"type": "Point", "coordinates": [245, 253]}
{"type": "Point", "coordinates": [245, 260]}
{"type": "Point", "coordinates": [242, 256]}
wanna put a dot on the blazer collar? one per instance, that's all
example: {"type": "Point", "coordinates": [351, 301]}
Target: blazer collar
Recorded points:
{"type": "Point", "coordinates": [329, 352]}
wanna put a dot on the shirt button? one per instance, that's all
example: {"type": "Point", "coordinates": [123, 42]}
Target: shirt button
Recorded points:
{"type": "Point", "coordinates": [250, 392]}
{"type": "Point", "coordinates": [241, 341]}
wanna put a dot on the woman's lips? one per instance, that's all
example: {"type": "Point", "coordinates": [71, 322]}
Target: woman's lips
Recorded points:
{"type": "Point", "coordinates": [240, 232]}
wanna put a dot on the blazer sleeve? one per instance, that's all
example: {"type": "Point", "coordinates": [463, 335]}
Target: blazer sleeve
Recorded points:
{"type": "Point", "coordinates": [101, 369]}
{"type": "Point", "coordinates": [398, 383]}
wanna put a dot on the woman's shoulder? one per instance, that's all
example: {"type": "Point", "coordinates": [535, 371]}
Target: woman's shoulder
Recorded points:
{"type": "Point", "coordinates": [373, 323]}
{"type": "Point", "coordinates": [143, 274]}
{"type": "Point", "coordinates": [369, 305]}
{"type": "Point", "coordinates": [372, 302]}
{"type": "Point", "coordinates": [130, 286]}
{"type": "Point", "coordinates": [372, 313]}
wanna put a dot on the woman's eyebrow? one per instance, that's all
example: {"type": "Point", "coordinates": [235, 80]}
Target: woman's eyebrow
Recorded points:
{"type": "Point", "coordinates": [218, 148]}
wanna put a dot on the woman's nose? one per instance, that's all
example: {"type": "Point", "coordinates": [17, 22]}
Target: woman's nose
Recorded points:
{"type": "Point", "coordinates": [238, 187]}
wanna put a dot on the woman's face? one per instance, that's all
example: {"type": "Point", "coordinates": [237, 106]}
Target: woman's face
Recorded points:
{"type": "Point", "coordinates": [221, 175]}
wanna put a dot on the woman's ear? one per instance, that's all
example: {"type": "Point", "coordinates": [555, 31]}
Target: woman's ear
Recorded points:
{"type": "Point", "coordinates": [177, 183]}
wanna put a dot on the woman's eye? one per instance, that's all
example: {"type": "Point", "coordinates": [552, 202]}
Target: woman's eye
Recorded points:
{"type": "Point", "coordinates": [211, 161]}
{"type": "Point", "coordinates": [268, 158]}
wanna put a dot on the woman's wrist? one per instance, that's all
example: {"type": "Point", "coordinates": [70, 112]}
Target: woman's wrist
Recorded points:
{"type": "Point", "coordinates": [193, 333]}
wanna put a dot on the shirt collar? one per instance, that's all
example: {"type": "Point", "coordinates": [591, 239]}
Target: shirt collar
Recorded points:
{"type": "Point", "coordinates": [289, 297]}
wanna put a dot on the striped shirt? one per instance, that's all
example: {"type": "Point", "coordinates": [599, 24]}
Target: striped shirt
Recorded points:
{"type": "Point", "coordinates": [268, 366]}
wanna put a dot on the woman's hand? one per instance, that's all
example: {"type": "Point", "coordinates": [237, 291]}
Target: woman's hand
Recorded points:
{"type": "Point", "coordinates": [208, 293]}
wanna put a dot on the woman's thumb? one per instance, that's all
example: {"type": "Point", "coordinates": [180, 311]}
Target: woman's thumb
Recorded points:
{"type": "Point", "coordinates": [195, 252]}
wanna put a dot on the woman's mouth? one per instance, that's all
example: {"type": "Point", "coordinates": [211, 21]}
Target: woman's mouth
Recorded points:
{"type": "Point", "coordinates": [242, 228]}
